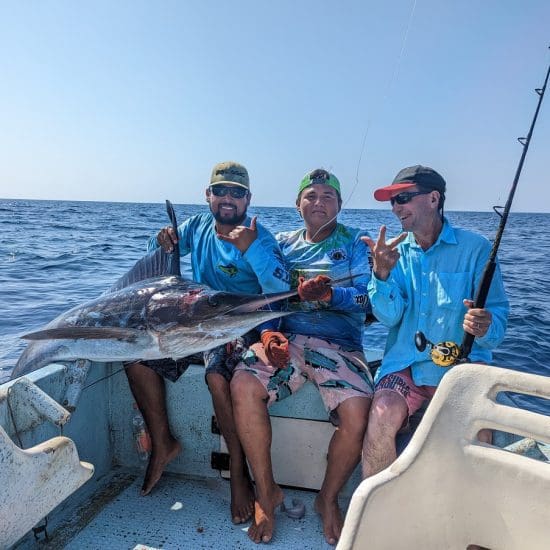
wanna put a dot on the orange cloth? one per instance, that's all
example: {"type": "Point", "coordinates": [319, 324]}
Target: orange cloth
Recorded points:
{"type": "Point", "coordinates": [276, 348]}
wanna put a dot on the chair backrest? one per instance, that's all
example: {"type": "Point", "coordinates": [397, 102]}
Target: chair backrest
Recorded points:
{"type": "Point", "coordinates": [34, 481]}
{"type": "Point", "coordinates": [448, 490]}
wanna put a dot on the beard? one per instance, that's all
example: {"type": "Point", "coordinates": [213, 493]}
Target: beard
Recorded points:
{"type": "Point", "coordinates": [225, 219]}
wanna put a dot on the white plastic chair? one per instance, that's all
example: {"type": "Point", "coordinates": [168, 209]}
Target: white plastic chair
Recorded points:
{"type": "Point", "coordinates": [35, 480]}
{"type": "Point", "coordinates": [448, 490]}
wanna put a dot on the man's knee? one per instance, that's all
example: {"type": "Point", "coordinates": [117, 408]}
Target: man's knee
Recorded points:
{"type": "Point", "coordinates": [388, 412]}
{"type": "Point", "coordinates": [140, 372]}
{"type": "Point", "coordinates": [353, 415]}
{"type": "Point", "coordinates": [245, 386]}
{"type": "Point", "coordinates": [217, 383]}
{"type": "Point", "coordinates": [134, 367]}
{"type": "Point", "coordinates": [485, 436]}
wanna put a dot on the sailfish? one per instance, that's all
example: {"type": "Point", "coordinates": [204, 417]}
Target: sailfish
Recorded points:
{"type": "Point", "coordinates": [151, 312]}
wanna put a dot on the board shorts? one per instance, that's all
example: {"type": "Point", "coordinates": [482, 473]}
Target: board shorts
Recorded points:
{"type": "Point", "coordinates": [219, 360]}
{"type": "Point", "coordinates": [401, 382]}
{"type": "Point", "coordinates": [337, 372]}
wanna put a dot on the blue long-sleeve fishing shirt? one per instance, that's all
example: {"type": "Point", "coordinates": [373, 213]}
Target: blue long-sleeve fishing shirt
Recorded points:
{"type": "Point", "coordinates": [222, 266]}
{"type": "Point", "coordinates": [424, 292]}
{"type": "Point", "coordinates": [342, 254]}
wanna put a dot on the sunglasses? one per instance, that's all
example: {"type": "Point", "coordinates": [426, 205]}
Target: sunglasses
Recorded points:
{"type": "Point", "coordinates": [319, 176]}
{"type": "Point", "coordinates": [406, 196]}
{"type": "Point", "coordinates": [222, 191]}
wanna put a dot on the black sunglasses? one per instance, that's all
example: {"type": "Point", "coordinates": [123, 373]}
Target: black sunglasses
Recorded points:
{"type": "Point", "coordinates": [222, 190]}
{"type": "Point", "coordinates": [407, 196]}
{"type": "Point", "coordinates": [319, 176]}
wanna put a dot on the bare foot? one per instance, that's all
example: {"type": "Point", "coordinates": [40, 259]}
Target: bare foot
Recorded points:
{"type": "Point", "coordinates": [157, 462]}
{"type": "Point", "coordinates": [263, 523]}
{"type": "Point", "coordinates": [242, 498]}
{"type": "Point", "coordinates": [332, 518]}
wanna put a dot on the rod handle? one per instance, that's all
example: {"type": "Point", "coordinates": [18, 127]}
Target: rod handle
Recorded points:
{"type": "Point", "coordinates": [479, 302]}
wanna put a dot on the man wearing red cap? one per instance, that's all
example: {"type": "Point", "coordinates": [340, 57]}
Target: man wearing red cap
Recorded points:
{"type": "Point", "coordinates": [424, 280]}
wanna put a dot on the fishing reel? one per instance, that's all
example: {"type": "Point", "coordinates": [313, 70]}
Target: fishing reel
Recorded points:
{"type": "Point", "coordinates": [444, 354]}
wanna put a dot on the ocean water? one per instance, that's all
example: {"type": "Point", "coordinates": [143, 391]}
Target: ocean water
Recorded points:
{"type": "Point", "coordinates": [57, 254]}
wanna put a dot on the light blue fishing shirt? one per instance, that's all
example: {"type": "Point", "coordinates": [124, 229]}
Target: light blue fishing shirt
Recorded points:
{"type": "Point", "coordinates": [222, 266]}
{"type": "Point", "coordinates": [342, 254]}
{"type": "Point", "coordinates": [424, 292]}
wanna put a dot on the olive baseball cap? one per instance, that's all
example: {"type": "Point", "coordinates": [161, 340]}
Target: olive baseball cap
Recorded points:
{"type": "Point", "coordinates": [230, 172]}
{"type": "Point", "coordinates": [319, 176]}
{"type": "Point", "coordinates": [423, 176]}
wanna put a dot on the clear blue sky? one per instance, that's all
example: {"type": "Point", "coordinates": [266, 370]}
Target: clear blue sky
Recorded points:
{"type": "Point", "coordinates": [135, 101]}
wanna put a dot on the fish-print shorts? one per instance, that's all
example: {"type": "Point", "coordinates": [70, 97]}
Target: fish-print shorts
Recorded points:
{"type": "Point", "coordinates": [401, 382]}
{"type": "Point", "coordinates": [221, 359]}
{"type": "Point", "coordinates": [337, 372]}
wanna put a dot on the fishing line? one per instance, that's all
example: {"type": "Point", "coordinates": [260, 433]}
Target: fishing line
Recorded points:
{"type": "Point", "coordinates": [381, 104]}
{"type": "Point", "coordinates": [104, 378]}
{"type": "Point", "coordinates": [119, 371]}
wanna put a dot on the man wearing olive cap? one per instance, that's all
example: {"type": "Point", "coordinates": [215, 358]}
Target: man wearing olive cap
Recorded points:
{"type": "Point", "coordinates": [229, 252]}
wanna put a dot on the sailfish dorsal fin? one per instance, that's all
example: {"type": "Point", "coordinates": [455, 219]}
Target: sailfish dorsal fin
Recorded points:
{"type": "Point", "coordinates": [155, 263]}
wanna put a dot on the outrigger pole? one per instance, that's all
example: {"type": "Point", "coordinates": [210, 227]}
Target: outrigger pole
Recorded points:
{"type": "Point", "coordinates": [488, 272]}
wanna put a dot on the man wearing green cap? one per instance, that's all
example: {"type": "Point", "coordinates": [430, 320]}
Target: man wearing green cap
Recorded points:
{"type": "Point", "coordinates": [250, 262]}
{"type": "Point", "coordinates": [322, 342]}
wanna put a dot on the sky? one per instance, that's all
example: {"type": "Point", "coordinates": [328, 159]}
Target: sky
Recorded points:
{"type": "Point", "coordinates": [135, 101]}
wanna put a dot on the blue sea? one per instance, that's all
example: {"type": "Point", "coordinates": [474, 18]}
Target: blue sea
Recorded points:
{"type": "Point", "coordinates": [57, 254]}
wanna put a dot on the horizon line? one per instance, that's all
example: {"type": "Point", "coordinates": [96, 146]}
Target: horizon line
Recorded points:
{"type": "Point", "coordinates": [251, 206]}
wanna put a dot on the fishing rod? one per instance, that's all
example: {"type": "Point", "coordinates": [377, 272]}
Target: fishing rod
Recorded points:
{"type": "Point", "coordinates": [447, 354]}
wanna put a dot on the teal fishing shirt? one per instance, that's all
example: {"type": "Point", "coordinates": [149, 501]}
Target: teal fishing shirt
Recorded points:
{"type": "Point", "coordinates": [342, 254]}
{"type": "Point", "coordinates": [220, 265]}
{"type": "Point", "coordinates": [424, 292]}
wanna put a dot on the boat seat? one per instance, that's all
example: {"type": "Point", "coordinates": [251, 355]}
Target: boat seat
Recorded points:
{"type": "Point", "coordinates": [447, 490]}
{"type": "Point", "coordinates": [35, 480]}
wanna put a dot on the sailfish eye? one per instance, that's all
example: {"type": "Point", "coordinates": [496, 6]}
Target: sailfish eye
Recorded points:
{"type": "Point", "coordinates": [212, 301]}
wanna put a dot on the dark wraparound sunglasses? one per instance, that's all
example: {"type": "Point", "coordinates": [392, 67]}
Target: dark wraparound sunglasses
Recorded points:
{"type": "Point", "coordinates": [222, 190]}
{"type": "Point", "coordinates": [407, 196]}
{"type": "Point", "coordinates": [319, 176]}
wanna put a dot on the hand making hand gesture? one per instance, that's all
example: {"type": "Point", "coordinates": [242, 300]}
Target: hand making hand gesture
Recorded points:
{"type": "Point", "coordinates": [384, 254]}
{"type": "Point", "coordinates": [241, 236]}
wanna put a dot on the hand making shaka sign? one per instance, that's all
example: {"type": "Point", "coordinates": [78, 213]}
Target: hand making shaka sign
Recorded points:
{"type": "Point", "coordinates": [241, 236]}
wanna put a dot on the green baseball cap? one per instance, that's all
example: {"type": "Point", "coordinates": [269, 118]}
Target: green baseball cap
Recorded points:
{"type": "Point", "coordinates": [230, 172]}
{"type": "Point", "coordinates": [319, 176]}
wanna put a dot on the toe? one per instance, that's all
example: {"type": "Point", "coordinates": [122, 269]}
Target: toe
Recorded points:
{"type": "Point", "coordinates": [146, 488]}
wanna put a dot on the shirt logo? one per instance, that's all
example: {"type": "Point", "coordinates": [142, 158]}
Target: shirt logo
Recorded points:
{"type": "Point", "coordinates": [230, 269]}
{"type": "Point", "coordinates": [338, 254]}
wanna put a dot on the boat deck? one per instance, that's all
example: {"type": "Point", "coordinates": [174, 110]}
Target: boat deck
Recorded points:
{"type": "Point", "coordinates": [180, 513]}
{"type": "Point", "coordinates": [189, 507]}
